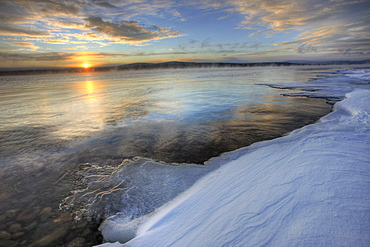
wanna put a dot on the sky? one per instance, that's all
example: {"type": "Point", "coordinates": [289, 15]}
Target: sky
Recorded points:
{"type": "Point", "coordinates": [71, 33]}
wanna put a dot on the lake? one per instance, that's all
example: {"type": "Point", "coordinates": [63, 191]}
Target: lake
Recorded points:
{"type": "Point", "coordinates": [53, 126]}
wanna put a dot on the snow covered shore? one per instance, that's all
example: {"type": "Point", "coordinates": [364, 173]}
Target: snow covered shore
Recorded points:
{"type": "Point", "coordinates": [309, 188]}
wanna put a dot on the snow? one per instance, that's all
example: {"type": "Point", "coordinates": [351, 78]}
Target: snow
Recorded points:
{"type": "Point", "coordinates": [309, 188]}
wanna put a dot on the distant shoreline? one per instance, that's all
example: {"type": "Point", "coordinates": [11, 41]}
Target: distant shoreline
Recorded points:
{"type": "Point", "coordinates": [169, 65]}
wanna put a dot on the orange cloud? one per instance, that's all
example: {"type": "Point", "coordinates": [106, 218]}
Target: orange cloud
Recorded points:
{"type": "Point", "coordinates": [25, 45]}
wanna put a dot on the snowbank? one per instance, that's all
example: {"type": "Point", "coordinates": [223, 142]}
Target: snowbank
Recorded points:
{"type": "Point", "coordinates": [310, 188]}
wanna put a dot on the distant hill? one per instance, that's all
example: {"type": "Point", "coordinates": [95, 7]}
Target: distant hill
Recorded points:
{"type": "Point", "coordinates": [169, 65]}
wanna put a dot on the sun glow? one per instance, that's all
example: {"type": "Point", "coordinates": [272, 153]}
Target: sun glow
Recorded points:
{"type": "Point", "coordinates": [86, 65]}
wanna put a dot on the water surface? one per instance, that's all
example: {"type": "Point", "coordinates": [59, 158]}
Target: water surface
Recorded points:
{"type": "Point", "coordinates": [51, 124]}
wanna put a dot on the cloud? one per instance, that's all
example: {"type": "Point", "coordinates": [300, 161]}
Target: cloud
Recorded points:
{"type": "Point", "coordinates": [287, 14]}
{"type": "Point", "coordinates": [129, 31]}
{"type": "Point", "coordinates": [106, 5]}
{"type": "Point", "coordinates": [56, 58]}
{"type": "Point", "coordinates": [306, 48]}
{"type": "Point", "coordinates": [25, 45]}
{"type": "Point", "coordinates": [206, 46]}
{"type": "Point", "coordinates": [19, 31]}
{"type": "Point", "coordinates": [58, 7]}
{"type": "Point", "coordinates": [206, 43]}
{"type": "Point", "coordinates": [329, 25]}
{"type": "Point", "coordinates": [52, 56]}
{"type": "Point", "coordinates": [24, 17]}
{"type": "Point", "coordinates": [74, 56]}
{"type": "Point", "coordinates": [50, 18]}
{"type": "Point", "coordinates": [332, 38]}
{"type": "Point", "coordinates": [13, 21]}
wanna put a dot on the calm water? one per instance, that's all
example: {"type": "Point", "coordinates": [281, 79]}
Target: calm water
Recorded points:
{"type": "Point", "coordinates": [51, 124]}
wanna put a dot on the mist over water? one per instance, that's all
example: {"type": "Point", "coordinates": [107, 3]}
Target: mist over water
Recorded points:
{"type": "Point", "coordinates": [58, 128]}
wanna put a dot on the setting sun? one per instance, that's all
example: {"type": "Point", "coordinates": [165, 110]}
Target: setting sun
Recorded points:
{"type": "Point", "coordinates": [86, 65]}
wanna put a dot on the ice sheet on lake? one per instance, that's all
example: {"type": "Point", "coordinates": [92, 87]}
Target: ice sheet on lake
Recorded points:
{"type": "Point", "coordinates": [309, 188]}
{"type": "Point", "coordinates": [363, 74]}
{"type": "Point", "coordinates": [332, 88]}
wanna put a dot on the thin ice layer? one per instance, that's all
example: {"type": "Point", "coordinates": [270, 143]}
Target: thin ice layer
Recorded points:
{"type": "Point", "coordinates": [310, 188]}
{"type": "Point", "coordinates": [332, 88]}
{"type": "Point", "coordinates": [363, 74]}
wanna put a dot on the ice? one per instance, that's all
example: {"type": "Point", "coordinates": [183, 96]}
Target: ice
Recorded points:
{"type": "Point", "coordinates": [333, 88]}
{"type": "Point", "coordinates": [136, 187]}
{"type": "Point", "coordinates": [363, 74]}
{"type": "Point", "coordinates": [309, 188]}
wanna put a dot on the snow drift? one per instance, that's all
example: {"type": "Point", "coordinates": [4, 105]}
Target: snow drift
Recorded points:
{"type": "Point", "coordinates": [309, 188]}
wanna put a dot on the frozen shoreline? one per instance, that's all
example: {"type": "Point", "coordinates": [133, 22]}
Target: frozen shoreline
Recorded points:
{"type": "Point", "coordinates": [309, 188]}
